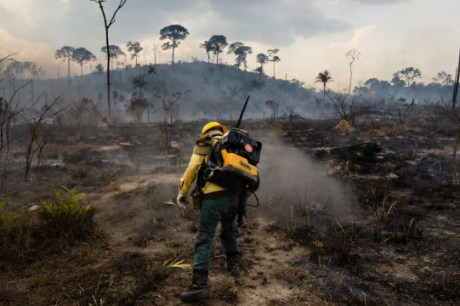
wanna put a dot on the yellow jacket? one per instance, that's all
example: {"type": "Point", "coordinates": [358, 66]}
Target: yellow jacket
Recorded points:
{"type": "Point", "coordinates": [200, 155]}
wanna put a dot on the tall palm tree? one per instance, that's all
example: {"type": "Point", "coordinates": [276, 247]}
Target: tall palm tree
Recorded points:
{"type": "Point", "coordinates": [324, 77]}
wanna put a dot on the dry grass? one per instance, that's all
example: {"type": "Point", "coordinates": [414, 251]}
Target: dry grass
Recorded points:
{"type": "Point", "coordinates": [335, 247]}
{"type": "Point", "coordinates": [225, 290]}
{"type": "Point", "coordinates": [293, 275]}
{"type": "Point", "coordinates": [390, 221]}
{"type": "Point", "coordinates": [16, 235]}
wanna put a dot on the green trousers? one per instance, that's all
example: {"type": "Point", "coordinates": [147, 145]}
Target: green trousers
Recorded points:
{"type": "Point", "coordinates": [221, 207]}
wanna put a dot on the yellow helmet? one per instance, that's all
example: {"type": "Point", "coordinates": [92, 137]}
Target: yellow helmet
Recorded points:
{"type": "Point", "coordinates": [213, 125]}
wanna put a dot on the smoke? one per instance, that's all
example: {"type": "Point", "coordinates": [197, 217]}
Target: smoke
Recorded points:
{"type": "Point", "coordinates": [292, 182]}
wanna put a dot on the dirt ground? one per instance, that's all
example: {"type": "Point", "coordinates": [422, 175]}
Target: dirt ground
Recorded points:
{"type": "Point", "coordinates": [402, 246]}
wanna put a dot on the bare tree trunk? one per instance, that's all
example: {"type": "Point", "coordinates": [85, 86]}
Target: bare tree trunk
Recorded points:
{"type": "Point", "coordinates": [106, 27]}
{"type": "Point", "coordinates": [41, 146]}
{"type": "Point", "coordinates": [324, 94]}
{"type": "Point", "coordinates": [172, 60]}
{"type": "Point", "coordinates": [68, 71]}
{"type": "Point", "coordinates": [351, 76]}
{"type": "Point", "coordinates": [7, 153]}
{"type": "Point", "coordinates": [109, 106]}
{"type": "Point", "coordinates": [454, 98]}
{"type": "Point", "coordinates": [30, 153]}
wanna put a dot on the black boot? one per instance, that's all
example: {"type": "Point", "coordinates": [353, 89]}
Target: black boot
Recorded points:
{"type": "Point", "coordinates": [232, 264]}
{"type": "Point", "coordinates": [198, 290]}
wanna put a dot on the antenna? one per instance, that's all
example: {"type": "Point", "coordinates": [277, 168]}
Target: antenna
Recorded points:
{"type": "Point", "coordinates": [242, 112]}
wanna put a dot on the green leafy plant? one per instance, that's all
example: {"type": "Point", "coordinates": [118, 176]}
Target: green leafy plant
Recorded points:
{"type": "Point", "coordinates": [67, 220]}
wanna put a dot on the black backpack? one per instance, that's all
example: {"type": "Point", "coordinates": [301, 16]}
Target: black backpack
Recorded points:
{"type": "Point", "coordinates": [232, 162]}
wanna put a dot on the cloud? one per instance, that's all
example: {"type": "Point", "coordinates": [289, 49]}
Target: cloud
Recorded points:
{"type": "Point", "coordinates": [360, 35]}
{"type": "Point", "coordinates": [379, 2]}
{"type": "Point", "coordinates": [274, 22]}
{"type": "Point", "coordinates": [23, 50]}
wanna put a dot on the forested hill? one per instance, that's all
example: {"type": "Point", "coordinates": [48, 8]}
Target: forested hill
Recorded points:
{"type": "Point", "coordinates": [194, 90]}
{"type": "Point", "coordinates": [202, 90]}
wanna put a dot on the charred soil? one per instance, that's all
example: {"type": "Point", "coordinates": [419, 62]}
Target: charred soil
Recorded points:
{"type": "Point", "coordinates": [399, 244]}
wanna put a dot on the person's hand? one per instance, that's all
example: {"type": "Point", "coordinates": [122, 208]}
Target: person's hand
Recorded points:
{"type": "Point", "coordinates": [182, 200]}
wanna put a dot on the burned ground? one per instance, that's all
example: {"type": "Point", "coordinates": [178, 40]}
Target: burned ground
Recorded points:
{"type": "Point", "coordinates": [397, 242]}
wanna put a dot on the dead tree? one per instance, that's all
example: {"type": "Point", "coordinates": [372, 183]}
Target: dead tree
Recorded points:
{"type": "Point", "coordinates": [404, 111]}
{"type": "Point", "coordinates": [171, 107]}
{"type": "Point", "coordinates": [454, 98]}
{"type": "Point", "coordinates": [107, 25]}
{"type": "Point", "coordinates": [37, 140]}
{"type": "Point", "coordinates": [9, 109]}
{"type": "Point", "coordinates": [274, 107]}
{"type": "Point", "coordinates": [354, 55]}
{"type": "Point", "coordinates": [345, 105]}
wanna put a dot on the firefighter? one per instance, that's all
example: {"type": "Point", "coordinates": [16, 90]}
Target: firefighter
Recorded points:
{"type": "Point", "coordinates": [218, 205]}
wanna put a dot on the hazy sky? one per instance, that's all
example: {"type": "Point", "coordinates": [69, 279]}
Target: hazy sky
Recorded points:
{"type": "Point", "coordinates": [312, 35]}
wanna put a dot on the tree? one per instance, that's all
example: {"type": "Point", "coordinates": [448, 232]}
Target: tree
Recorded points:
{"type": "Point", "coordinates": [171, 106]}
{"type": "Point", "coordinates": [242, 54]}
{"type": "Point", "coordinates": [353, 55]}
{"type": "Point", "coordinates": [137, 105]}
{"type": "Point", "coordinates": [85, 112]}
{"type": "Point", "coordinates": [456, 82]}
{"type": "Point", "coordinates": [241, 51]}
{"type": "Point", "coordinates": [114, 52]}
{"type": "Point", "coordinates": [206, 45]}
{"type": "Point", "coordinates": [324, 77]}
{"type": "Point", "coordinates": [33, 71]}
{"type": "Point", "coordinates": [217, 44]}
{"type": "Point", "coordinates": [2, 60]}
{"type": "Point", "coordinates": [66, 54]}
{"type": "Point", "coordinates": [273, 58]}
{"type": "Point", "coordinates": [444, 78]}
{"type": "Point", "coordinates": [274, 107]}
{"type": "Point", "coordinates": [344, 104]}
{"type": "Point", "coordinates": [10, 108]}
{"type": "Point", "coordinates": [99, 68]}
{"type": "Point", "coordinates": [396, 81]}
{"type": "Point", "coordinates": [37, 139]}
{"type": "Point", "coordinates": [140, 83]}
{"type": "Point", "coordinates": [233, 46]}
{"type": "Point", "coordinates": [15, 69]}
{"type": "Point", "coordinates": [174, 33]}
{"type": "Point", "coordinates": [81, 56]}
{"type": "Point", "coordinates": [135, 48]}
{"type": "Point", "coordinates": [407, 75]}
{"type": "Point", "coordinates": [107, 25]}
{"type": "Point", "coordinates": [262, 59]}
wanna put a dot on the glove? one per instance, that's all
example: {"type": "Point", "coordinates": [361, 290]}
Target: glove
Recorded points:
{"type": "Point", "coordinates": [182, 200]}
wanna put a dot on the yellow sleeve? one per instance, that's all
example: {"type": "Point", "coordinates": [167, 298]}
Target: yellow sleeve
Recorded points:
{"type": "Point", "coordinates": [190, 173]}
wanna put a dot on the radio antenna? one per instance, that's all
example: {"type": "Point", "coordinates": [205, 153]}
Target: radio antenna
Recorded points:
{"type": "Point", "coordinates": [242, 112]}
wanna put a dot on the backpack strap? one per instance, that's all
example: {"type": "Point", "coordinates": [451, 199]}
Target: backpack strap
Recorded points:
{"type": "Point", "coordinates": [204, 145]}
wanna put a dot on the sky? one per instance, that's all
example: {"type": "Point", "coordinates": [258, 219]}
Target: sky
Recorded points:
{"type": "Point", "coordinates": [312, 35]}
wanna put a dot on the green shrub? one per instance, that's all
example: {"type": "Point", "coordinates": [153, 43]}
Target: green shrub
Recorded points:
{"type": "Point", "coordinates": [66, 219]}
{"type": "Point", "coordinates": [15, 234]}
{"type": "Point", "coordinates": [57, 225]}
